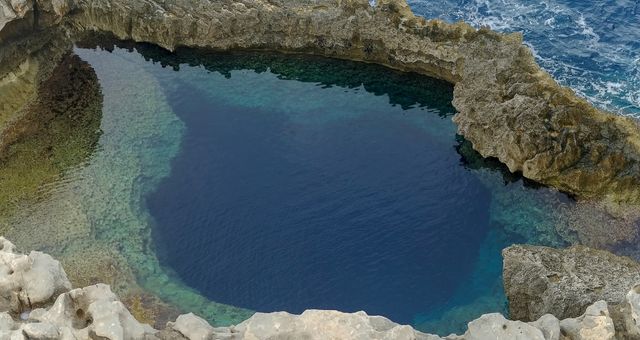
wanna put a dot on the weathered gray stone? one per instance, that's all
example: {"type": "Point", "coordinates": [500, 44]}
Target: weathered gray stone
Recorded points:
{"type": "Point", "coordinates": [495, 326]}
{"type": "Point", "coordinates": [594, 324]}
{"type": "Point", "coordinates": [41, 331]}
{"type": "Point", "coordinates": [322, 324]}
{"type": "Point", "coordinates": [94, 311]}
{"type": "Point", "coordinates": [28, 280]}
{"type": "Point", "coordinates": [192, 327]}
{"type": "Point", "coordinates": [627, 315]}
{"type": "Point", "coordinates": [549, 325]}
{"type": "Point", "coordinates": [563, 282]}
{"type": "Point", "coordinates": [6, 322]}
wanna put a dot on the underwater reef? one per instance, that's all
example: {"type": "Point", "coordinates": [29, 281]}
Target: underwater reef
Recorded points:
{"type": "Point", "coordinates": [509, 109]}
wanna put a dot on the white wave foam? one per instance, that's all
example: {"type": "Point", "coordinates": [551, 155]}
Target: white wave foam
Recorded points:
{"type": "Point", "coordinates": [567, 41]}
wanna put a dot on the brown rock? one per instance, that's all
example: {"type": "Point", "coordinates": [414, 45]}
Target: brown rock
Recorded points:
{"type": "Point", "coordinates": [564, 282]}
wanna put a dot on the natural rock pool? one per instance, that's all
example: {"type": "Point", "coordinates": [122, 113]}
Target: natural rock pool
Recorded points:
{"type": "Point", "coordinates": [282, 182]}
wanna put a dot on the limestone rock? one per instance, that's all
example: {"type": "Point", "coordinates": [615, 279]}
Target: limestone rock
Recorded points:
{"type": "Point", "coordinates": [40, 331]}
{"type": "Point", "coordinates": [11, 10]}
{"type": "Point", "coordinates": [509, 108]}
{"type": "Point", "coordinates": [495, 326]}
{"type": "Point", "coordinates": [563, 282]}
{"type": "Point", "coordinates": [192, 327]}
{"type": "Point", "coordinates": [28, 281]}
{"type": "Point", "coordinates": [628, 326]}
{"type": "Point", "coordinates": [549, 325]}
{"type": "Point", "coordinates": [93, 311]}
{"type": "Point", "coordinates": [322, 324]}
{"type": "Point", "coordinates": [594, 324]}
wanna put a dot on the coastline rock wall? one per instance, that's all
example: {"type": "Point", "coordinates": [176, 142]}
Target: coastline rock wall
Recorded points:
{"type": "Point", "coordinates": [42, 306]}
{"type": "Point", "coordinates": [509, 108]}
{"type": "Point", "coordinates": [25, 64]}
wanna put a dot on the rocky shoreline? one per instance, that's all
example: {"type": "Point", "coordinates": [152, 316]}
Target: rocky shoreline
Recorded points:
{"type": "Point", "coordinates": [38, 303]}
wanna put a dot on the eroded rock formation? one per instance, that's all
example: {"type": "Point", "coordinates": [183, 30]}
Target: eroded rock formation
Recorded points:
{"type": "Point", "coordinates": [563, 282]}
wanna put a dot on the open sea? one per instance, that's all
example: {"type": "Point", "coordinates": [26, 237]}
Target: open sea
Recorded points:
{"type": "Point", "coordinates": [592, 46]}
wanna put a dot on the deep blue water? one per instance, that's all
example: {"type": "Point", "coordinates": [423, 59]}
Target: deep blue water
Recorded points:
{"type": "Point", "coordinates": [593, 46]}
{"type": "Point", "coordinates": [315, 195]}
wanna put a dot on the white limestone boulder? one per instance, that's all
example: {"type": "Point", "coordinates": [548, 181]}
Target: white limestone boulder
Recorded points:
{"type": "Point", "coordinates": [28, 281]}
{"type": "Point", "coordinates": [192, 327]}
{"type": "Point", "coordinates": [325, 325]}
{"type": "Point", "coordinates": [594, 324]}
{"type": "Point", "coordinates": [93, 312]}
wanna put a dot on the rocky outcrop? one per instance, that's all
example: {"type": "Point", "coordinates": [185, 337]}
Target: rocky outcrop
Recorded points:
{"type": "Point", "coordinates": [30, 280]}
{"type": "Point", "coordinates": [563, 282]}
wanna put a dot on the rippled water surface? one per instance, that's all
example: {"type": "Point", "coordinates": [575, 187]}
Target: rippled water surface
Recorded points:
{"type": "Point", "coordinates": [289, 194]}
{"type": "Point", "coordinates": [291, 182]}
{"type": "Point", "coordinates": [591, 46]}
